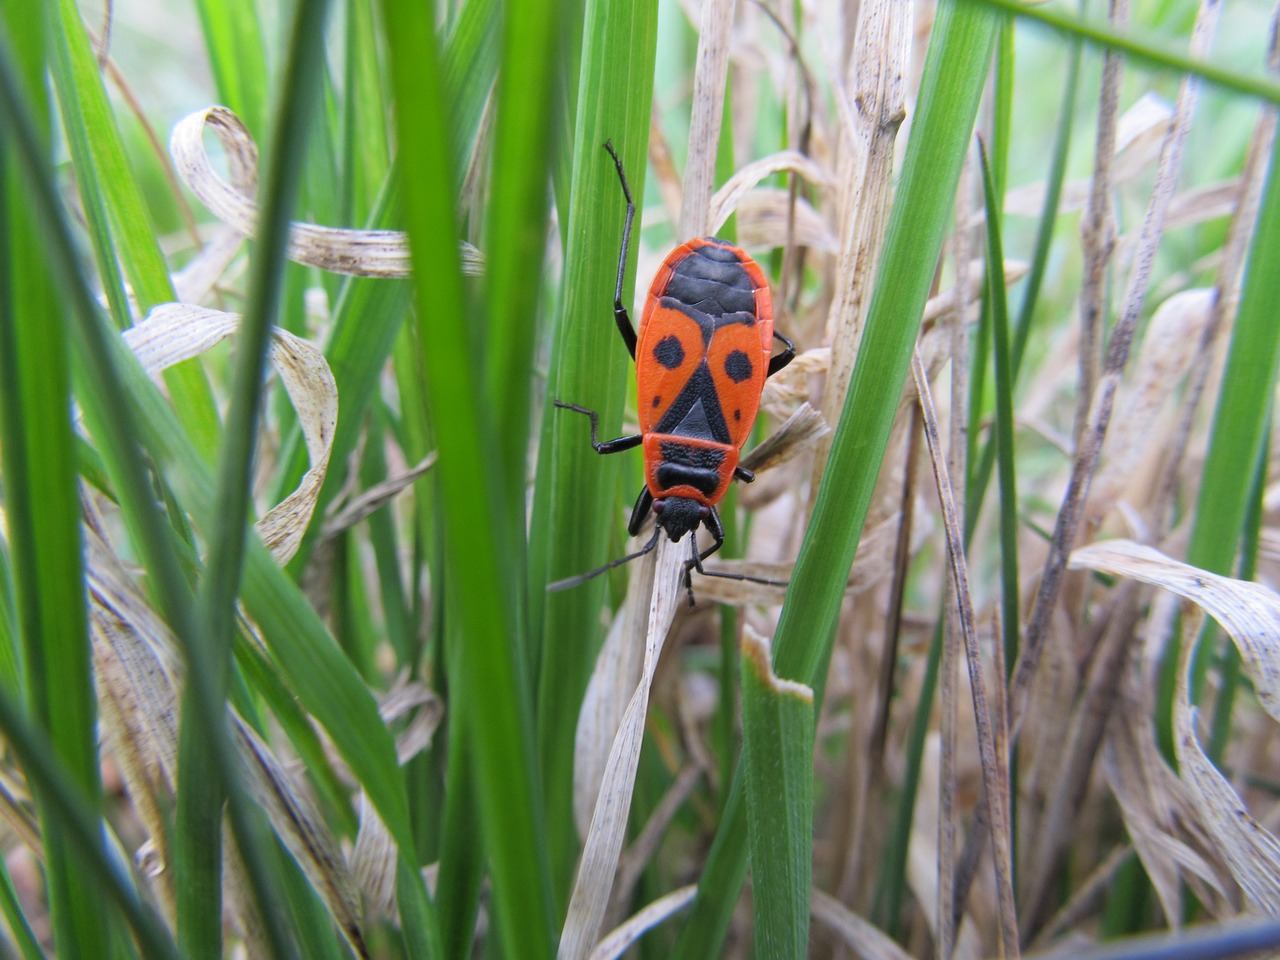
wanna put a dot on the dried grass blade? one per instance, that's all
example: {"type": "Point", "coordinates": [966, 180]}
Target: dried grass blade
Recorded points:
{"type": "Point", "coordinates": [360, 253]}
{"type": "Point", "coordinates": [802, 429]}
{"type": "Point", "coordinates": [618, 669]}
{"type": "Point", "coordinates": [594, 880]}
{"type": "Point", "coordinates": [621, 939]}
{"type": "Point", "coordinates": [1101, 404]}
{"type": "Point", "coordinates": [1250, 613]}
{"type": "Point", "coordinates": [995, 776]}
{"type": "Point", "coordinates": [726, 200]}
{"type": "Point", "coordinates": [361, 506]}
{"type": "Point", "coordinates": [304, 833]}
{"type": "Point", "coordinates": [861, 936]}
{"type": "Point", "coordinates": [710, 77]}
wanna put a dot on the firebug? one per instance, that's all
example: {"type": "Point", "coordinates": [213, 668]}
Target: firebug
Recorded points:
{"type": "Point", "coordinates": [703, 353]}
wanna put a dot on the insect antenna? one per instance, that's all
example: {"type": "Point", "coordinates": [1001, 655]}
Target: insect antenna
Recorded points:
{"type": "Point", "coordinates": [584, 577]}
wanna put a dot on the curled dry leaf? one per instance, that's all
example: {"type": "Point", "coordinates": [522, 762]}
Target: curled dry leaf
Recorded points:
{"type": "Point", "coordinates": [373, 862]}
{"type": "Point", "coordinates": [411, 697]}
{"type": "Point", "coordinates": [1159, 812]}
{"type": "Point", "coordinates": [1250, 613]}
{"type": "Point", "coordinates": [361, 253]}
{"type": "Point", "coordinates": [174, 332]}
{"type": "Point", "coordinates": [788, 389]}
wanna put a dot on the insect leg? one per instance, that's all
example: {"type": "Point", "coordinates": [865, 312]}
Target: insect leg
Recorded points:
{"type": "Point", "coordinates": [786, 356]}
{"type": "Point", "coordinates": [694, 562]}
{"type": "Point", "coordinates": [640, 511]}
{"type": "Point", "coordinates": [603, 446]}
{"type": "Point", "coordinates": [743, 474]}
{"type": "Point", "coordinates": [714, 524]}
{"type": "Point", "coordinates": [717, 531]}
{"type": "Point", "coordinates": [584, 577]}
{"type": "Point", "coordinates": [620, 316]}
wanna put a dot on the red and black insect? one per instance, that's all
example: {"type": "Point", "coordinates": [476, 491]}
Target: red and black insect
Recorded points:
{"type": "Point", "coordinates": [704, 350]}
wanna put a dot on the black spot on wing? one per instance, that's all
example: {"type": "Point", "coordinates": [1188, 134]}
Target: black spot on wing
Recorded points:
{"type": "Point", "coordinates": [669, 353]}
{"type": "Point", "coordinates": [738, 366]}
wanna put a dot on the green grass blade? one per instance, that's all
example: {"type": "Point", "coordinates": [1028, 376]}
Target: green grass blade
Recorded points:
{"type": "Point", "coordinates": [10, 644]}
{"type": "Point", "coordinates": [981, 468]}
{"type": "Point", "coordinates": [1138, 51]}
{"type": "Point", "coordinates": [891, 879]}
{"type": "Point", "coordinates": [516, 233]}
{"type": "Point", "coordinates": [777, 760]}
{"type": "Point", "coordinates": [15, 920]}
{"type": "Point", "coordinates": [461, 856]}
{"type": "Point", "coordinates": [42, 509]}
{"type": "Point", "coordinates": [575, 489]}
{"type": "Point", "coordinates": [104, 172]}
{"type": "Point", "coordinates": [1006, 454]}
{"type": "Point", "coordinates": [366, 156]}
{"type": "Point", "coordinates": [955, 71]}
{"type": "Point", "coordinates": [470, 66]}
{"type": "Point", "coordinates": [489, 683]}
{"type": "Point", "coordinates": [237, 55]}
{"type": "Point", "coordinates": [200, 809]}
{"type": "Point", "coordinates": [1230, 667]}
